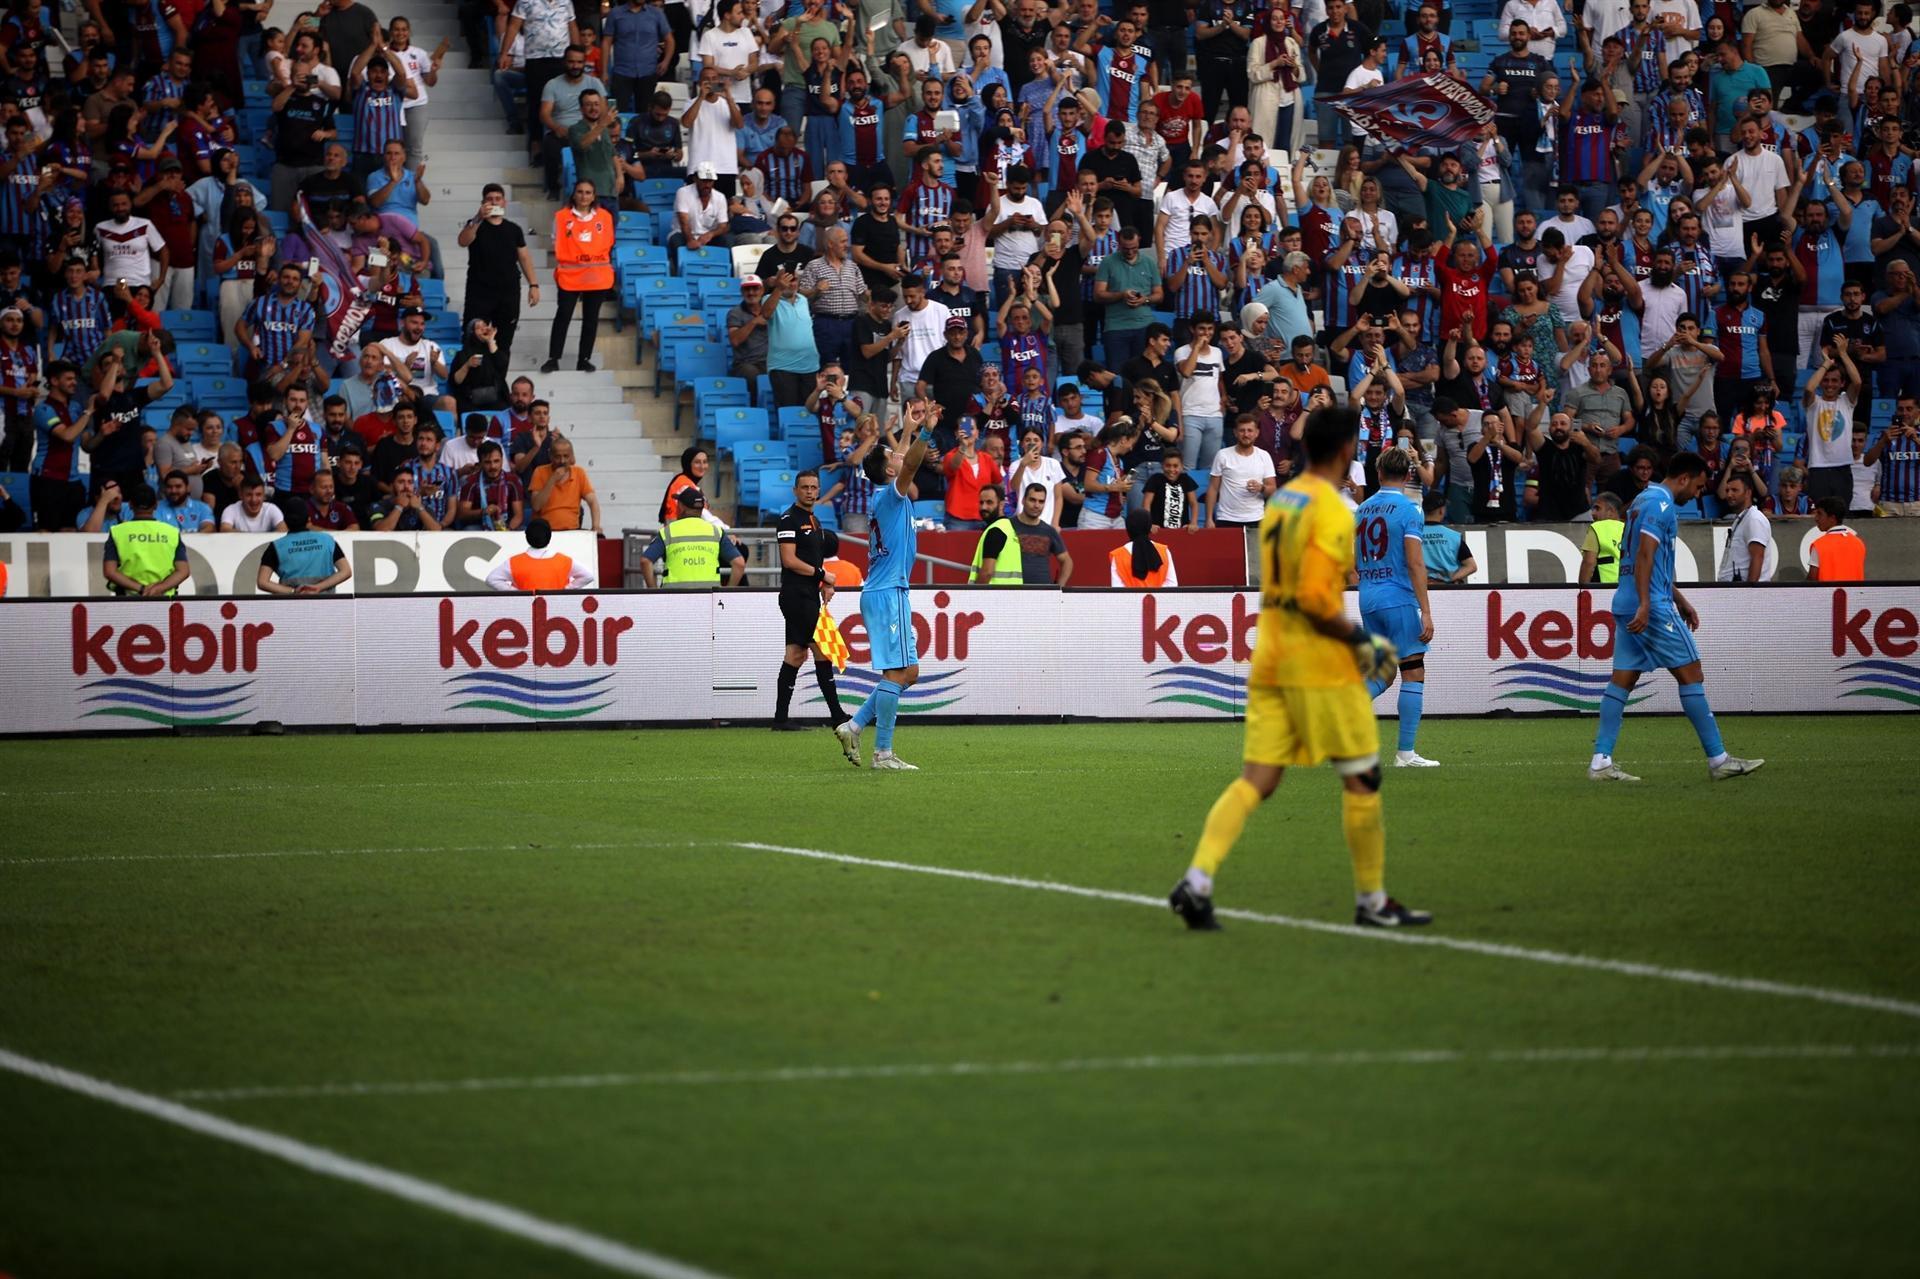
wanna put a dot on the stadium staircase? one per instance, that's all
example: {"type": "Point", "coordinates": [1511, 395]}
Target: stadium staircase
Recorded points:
{"type": "Point", "coordinates": [627, 444]}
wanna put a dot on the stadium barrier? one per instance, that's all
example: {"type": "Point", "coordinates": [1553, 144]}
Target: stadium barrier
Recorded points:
{"type": "Point", "coordinates": [703, 657]}
{"type": "Point", "coordinates": [63, 564]}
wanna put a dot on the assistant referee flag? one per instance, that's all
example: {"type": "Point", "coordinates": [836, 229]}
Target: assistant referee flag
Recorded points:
{"type": "Point", "coordinates": [832, 645]}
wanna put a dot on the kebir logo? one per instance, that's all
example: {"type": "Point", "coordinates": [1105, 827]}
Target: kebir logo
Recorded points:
{"type": "Point", "coordinates": [127, 658]}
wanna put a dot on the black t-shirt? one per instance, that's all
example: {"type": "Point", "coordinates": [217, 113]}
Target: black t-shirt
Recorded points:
{"type": "Point", "coordinates": [390, 455]}
{"type": "Point", "coordinates": [119, 453]}
{"type": "Point", "coordinates": [1171, 503]}
{"type": "Point", "coordinates": [1562, 473]}
{"type": "Point", "coordinates": [347, 32]}
{"type": "Point", "coordinates": [217, 493]}
{"type": "Point", "coordinates": [881, 242]}
{"type": "Point", "coordinates": [1779, 301]}
{"type": "Point", "coordinates": [1523, 262]}
{"type": "Point", "coordinates": [777, 258]}
{"type": "Point", "coordinates": [811, 543]}
{"type": "Point", "coordinates": [493, 260]}
{"type": "Point", "coordinates": [1246, 395]}
{"type": "Point", "coordinates": [522, 442]}
{"type": "Point", "coordinates": [1338, 55]}
{"type": "Point", "coordinates": [322, 190]}
{"type": "Point", "coordinates": [359, 495]}
{"type": "Point", "coordinates": [1066, 282]}
{"type": "Point", "coordinates": [293, 129]}
{"type": "Point", "coordinates": [864, 374]}
{"type": "Point", "coordinates": [952, 382]}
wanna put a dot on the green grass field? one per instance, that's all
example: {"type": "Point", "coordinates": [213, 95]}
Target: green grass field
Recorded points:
{"type": "Point", "coordinates": [543, 970]}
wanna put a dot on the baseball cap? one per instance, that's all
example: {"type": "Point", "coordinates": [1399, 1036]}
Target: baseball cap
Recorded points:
{"type": "Point", "coordinates": [691, 498]}
{"type": "Point", "coordinates": [414, 310]}
{"type": "Point", "coordinates": [706, 173]}
{"type": "Point", "coordinates": [752, 282]}
{"type": "Point", "coordinates": [955, 322]}
{"type": "Point", "coordinates": [168, 164]}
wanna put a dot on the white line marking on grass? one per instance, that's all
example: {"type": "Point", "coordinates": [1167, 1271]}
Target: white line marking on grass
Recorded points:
{"type": "Point", "coordinates": [1422, 937]}
{"type": "Point", "coordinates": [602, 1251]}
{"type": "Point", "coordinates": [1497, 950]}
{"type": "Point", "coordinates": [1080, 1065]}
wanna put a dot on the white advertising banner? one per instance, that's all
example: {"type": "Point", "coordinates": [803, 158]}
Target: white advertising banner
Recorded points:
{"type": "Point", "coordinates": [698, 657]}
{"type": "Point", "coordinates": [58, 565]}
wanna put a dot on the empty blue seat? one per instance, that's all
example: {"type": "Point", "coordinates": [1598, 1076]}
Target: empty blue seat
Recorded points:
{"type": "Point", "coordinates": [732, 422]}
{"type": "Point", "coordinates": [189, 326]}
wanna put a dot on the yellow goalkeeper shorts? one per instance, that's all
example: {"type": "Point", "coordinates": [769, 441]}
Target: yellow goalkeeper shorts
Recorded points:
{"type": "Point", "coordinates": [1297, 727]}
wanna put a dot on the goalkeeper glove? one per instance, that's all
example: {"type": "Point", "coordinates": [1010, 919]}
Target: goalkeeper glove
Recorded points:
{"type": "Point", "coordinates": [1375, 655]}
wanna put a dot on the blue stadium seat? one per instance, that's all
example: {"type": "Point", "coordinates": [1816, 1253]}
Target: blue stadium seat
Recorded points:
{"type": "Point", "coordinates": [804, 452]}
{"type": "Point", "coordinates": [732, 422]}
{"type": "Point", "coordinates": [930, 511]}
{"type": "Point", "coordinates": [189, 326]}
{"type": "Point", "coordinates": [691, 362]}
{"type": "Point", "coordinates": [706, 261]}
{"type": "Point", "coordinates": [712, 394]}
{"type": "Point", "coordinates": [632, 226]}
{"type": "Point", "coordinates": [794, 419]}
{"type": "Point", "coordinates": [776, 490]}
{"type": "Point", "coordinates": [656, 192]}
{"type": "Point", "coordinates": [219, 392]}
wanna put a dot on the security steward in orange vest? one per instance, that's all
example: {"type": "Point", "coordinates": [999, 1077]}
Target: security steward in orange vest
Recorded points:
{"type": "Point", "coordinates": [1140, 562]}
{"type": "Point", "coordinates": [583, 257]}
{"type": "Point", "coordinates": [539, 567]}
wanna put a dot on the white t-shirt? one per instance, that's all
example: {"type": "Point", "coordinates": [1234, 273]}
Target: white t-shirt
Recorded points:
{"type": "Point", "coordinates": [1762, 175]}
{"type": "Point", "coordinates": [1830, 431]}
{"type": "Point", "coordinates": [1689, 20]}
{"type": "Point", "coordinates": [1564, 285]}
{"type": "Point", "coordinates": [1575, 229]}
{"type": "Point", "coordinates": [1721, 218]}
{"type": "Point", "coordinates": [1200, 391]}
{"type": "Point", "coordinates": [938, 55]}
{"type": "Point", "coordinates": [710, 140]}
{"type": "Point", "coordinates": [703, 218]}
{"type": "Point", "coordinates": [1751, 527]}
{"type": "Point", "coordinates": [727, 50]}
{"type": "Point", "coordinates": [1362, 77]}
{"type": "Point", "coordinates": [1541, 15]}
{"type": "Point", "coordinates": [1660, 309]}
{"type": "Point", "coordinates": [1233, 471]}
{"type": "Point", "coordinates": [1013, 249]}
{"type": "Point", "coordinates": [1379, 230]}
{"type": "Point", "coordinates": [1180, 213]}
{"type": "Point", "coordinates": [127, 251]}
{"type": "Point", "coordinates": [1864, 478]}
{"type": "Point", "coordinates": [418, 62]}
{"type": "Point", "coordinates": [419, 357]}
{"type": "Point", "coordinates": [1085, 424]}
{"type": "Point", "coordinates": [926, 333]}
{"type": "Point", "coordinates": [236, 520]}
{"type": "Point", "coordinates": [1047, 471]}
{"type": "Point", "coordinates": [1854, 47]}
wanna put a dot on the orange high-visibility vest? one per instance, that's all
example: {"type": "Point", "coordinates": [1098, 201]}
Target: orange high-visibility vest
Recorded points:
{"type": "Point", "coordinates": [583, 250]}
{"type": "Point", "coordinates": [540, 572]}
{"type": "Point", "coordinates": [1841, 555]}
{"type": "Point", "coordinates": [845, 573]}
{"type": "Point", "coordinates": [1122, 557]}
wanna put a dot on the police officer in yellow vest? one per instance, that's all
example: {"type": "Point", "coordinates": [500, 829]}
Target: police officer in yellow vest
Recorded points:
{"type": "Point", "coordinates": [1600, 551]}
{"type": "Point", "coordinates": [996, 560]}
{"type": "Point", "coordinates": [692, 548]}
{"type": "Point", "coordinates": [144, 556]}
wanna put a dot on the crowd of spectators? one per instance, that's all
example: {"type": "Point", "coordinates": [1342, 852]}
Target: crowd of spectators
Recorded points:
{"type": "Point", "coordinates": [1131, 229]}
{"type": "Point", "coordinates": [1119, 249]}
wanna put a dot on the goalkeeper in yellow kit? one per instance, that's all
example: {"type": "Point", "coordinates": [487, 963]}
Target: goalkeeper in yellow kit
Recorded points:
{"type": "Point", "coordinates": [1307, 698]}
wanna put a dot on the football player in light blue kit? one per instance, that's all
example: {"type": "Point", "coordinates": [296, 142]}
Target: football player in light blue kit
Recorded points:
{"type": "Point", "coordinates": [884, 602]}
{"type": "Point", "coordinates": [1653, 624]}
{"type": "Point", "coordinates": [1390, 559]}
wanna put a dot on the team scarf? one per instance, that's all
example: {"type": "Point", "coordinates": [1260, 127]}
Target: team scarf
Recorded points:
{"type": "Point", "coordinates": [342, 303]}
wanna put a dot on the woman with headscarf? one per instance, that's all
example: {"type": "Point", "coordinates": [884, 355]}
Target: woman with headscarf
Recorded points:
{"type": "Point", "coordinates": [1258, 328]}
{"type": "Point", "coordinates": [1273, 69]}
{"type": "Point", "coordinates": [695, 462]}
{"type": "Point", "coordinates": [479, 375]}
{"type": "Point", "coordinates": [1140, 562]}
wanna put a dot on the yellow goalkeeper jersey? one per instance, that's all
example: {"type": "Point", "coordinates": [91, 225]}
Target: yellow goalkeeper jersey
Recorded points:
{"type": "Point", "coordinates": [1306, 556]}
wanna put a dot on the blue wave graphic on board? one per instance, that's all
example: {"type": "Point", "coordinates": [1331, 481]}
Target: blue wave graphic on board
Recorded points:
{"type": "Point", "coordinates": [1215, 688]}
{"type": "Point", "coordinates": [1883, 681]}
{"type": "Point", "coordinates": [527, 698]}
{"type": "Point", "coordinates": [155, 702]}
{"type": "Point", "coordinates": [931, 693]}
{"type": "Point", "coordinates": [1565, 687]}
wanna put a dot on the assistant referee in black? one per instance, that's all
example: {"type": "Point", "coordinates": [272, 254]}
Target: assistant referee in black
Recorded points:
{"type": "Point", "coordinates": [805, 588]}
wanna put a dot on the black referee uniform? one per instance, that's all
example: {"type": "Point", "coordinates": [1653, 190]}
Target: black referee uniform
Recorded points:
{"type": "Point", "coordinates": [800, 608]}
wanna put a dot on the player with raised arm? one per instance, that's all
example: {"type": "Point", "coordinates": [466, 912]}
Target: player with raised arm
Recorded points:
{"type": "Point", "coordinates": [1653, 624]}
{"type": "Point", "coordinates": [884, 602]}
{"type": "Point", "coordinates": [1393, 592]}
{"type": "Point", "coordinates": [1306, 701]}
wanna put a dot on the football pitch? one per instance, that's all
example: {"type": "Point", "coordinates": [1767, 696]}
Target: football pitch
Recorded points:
{"type": "Point", "coordinates": [711, 1002]}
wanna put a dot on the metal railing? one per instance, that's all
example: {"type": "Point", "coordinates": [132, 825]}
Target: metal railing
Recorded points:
{"type": "Point", "coordinates": [758, 545]}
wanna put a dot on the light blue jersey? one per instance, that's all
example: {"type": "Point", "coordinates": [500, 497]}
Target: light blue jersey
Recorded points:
{"type": "Point", "coordinates": [890, 540]}
{"type": "Point", "coordinates": [1383, 526]}
{"type": "Point", "coordinates": [1653, 514]}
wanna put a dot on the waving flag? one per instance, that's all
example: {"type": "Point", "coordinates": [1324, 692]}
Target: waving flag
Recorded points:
{"type": "Point", "coordinates": [832, 646]}
{"type": "Point", "coordinates": [336, 289]}
{"type": "Point", "coordinates": [1431, 110]}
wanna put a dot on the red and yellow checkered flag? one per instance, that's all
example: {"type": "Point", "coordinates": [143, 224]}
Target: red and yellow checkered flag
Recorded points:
{"type": "Point", "coordinates": [828, 637]}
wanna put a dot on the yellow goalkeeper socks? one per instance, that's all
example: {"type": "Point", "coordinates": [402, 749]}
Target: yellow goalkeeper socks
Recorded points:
{"type": "Point", "coordinates": [1366, 842]}
{"type": "Point", "coordinates": [1224, 824]}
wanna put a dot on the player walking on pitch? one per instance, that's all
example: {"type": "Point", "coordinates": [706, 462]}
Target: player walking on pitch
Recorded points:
{"type": "Point", "coordinates": [1393, 592]}
{"type": "Point", "coordinates": [884, 602]}
{"type": "Point", "coordinates": [1653, 624]}
{"type": "Point", "coordinates": [805, 588]}
{"type": "Point", "coordinates": [1305, 700]}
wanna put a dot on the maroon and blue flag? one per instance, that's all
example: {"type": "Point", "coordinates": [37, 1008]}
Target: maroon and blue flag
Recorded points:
{"type": "Point", "coordinates": [1431, 110]}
